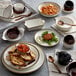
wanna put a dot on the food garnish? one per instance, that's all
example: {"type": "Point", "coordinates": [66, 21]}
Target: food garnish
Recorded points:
{"type": "Point", "coordinates": [49, 37]}
{"type": "Point", "coordinates": [23, 48]}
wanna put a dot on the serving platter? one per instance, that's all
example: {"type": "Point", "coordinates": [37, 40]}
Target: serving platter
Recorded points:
{"type": "Point", "coordinates": [17, 18]}
{"type": "Point", "coordinates": [30, 69]}
{"type": "Point", "coordinates": [38, 38]}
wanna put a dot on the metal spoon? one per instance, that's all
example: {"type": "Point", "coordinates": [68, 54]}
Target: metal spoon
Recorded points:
{"type": "Point", "coordinates": [51, 59]}
{"type": "Point", "coordinates": [62, 23]}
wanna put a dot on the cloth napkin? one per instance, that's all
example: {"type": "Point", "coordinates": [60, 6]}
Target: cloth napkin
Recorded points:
{"type": "Point", "coordinates": [72, 31]}
{"type": "Point", "coordinates": [51, 67]}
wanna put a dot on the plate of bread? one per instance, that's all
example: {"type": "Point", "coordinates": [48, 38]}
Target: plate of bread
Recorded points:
{"type": "Point", "coordinates": [22, 57]}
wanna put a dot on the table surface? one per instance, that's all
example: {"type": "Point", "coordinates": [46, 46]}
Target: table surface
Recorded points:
{"type": "Point", "coordinates": [29, 37]}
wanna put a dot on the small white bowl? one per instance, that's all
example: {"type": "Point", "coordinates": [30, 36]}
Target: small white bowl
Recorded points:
{"type": "Point", "coordinates": [64, 27]}
{"type": "Point", "coordinates": [48, 3]}
{"type": "Point", "coordinates": [5, 37]}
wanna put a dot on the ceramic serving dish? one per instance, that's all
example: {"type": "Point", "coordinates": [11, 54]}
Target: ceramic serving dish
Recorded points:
{"type": "Point", "coordinates": [38, 38]}
{"type": "Point", "coordinates": [44, 4]}
{"type": "Point", "coordinates": [8, 63]}
{"type": "Point", "coordinates": [33, 68]}
{"type": "Point", "coordinates": [34, 24]}
{"type": "Point", "coordinates": [64, 27]}
{"type": "Point", "coordinates": [21, 34]}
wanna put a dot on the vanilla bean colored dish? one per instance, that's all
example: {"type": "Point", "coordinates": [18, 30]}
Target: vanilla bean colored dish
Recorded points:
{"type": "Point", "coordinates": [47, 37]}
{"type": "Point", "coordinates": [49, 9]}
{"type": "Point", "coordinates": [37, 53]}
{"type": "Point", "coordinates": [13, 33]}
{"type": "Point", "coordinates": [64, 27]}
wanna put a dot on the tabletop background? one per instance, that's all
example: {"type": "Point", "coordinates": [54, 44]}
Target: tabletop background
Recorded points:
{"type": "Point", "coordinates": [29, 37]}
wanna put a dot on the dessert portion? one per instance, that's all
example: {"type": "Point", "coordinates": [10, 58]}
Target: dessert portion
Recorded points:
{"type": "Point", "coordinates": [13, 33]}
{"type": "Point", "coordinates": [18, 8]}
{"type": "Point", "coordinates": [21, 55]}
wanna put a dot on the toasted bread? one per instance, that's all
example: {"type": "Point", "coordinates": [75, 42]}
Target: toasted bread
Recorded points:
{"type": "Point", "coordinates": [32, 54]}
{"type": "Point", "coordinates": [26, 57]}
{"type": "Point", "coordinates": [17, 60]}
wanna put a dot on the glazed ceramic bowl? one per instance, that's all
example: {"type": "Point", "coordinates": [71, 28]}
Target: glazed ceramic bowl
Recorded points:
{"type": "Point", "coordinates": [21, 34]}
{"type": "Point", "coordinates": [71, 68]}
{"type": "Point", "coordinates": [64, 27]}
{"type": "Point", "coordinates": [68, 41]}
{"type": "Point", "coordinates": [46, 4]}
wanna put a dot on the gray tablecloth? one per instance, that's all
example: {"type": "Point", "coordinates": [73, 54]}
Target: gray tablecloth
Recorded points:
{"type": "Point", "coordinates": [29, 37]}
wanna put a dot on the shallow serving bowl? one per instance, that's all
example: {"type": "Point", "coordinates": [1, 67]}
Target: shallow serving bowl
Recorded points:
{"type": "Point", "coordinates": [46, 4]}
{"type": "Point", "coordinates": [64, 27]}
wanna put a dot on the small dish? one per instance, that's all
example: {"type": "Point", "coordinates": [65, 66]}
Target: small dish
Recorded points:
{"type": "Point", "coordinates": [38, 38]}
{"type": "Point", "coordinates": [52, 5]}
{"type": "Point", "coordinates": [34, 24]}
{"type": "Point", "coordinates": [64, 27]}
{"type": "Point", "coordinates": [68, 6]}
{"type": "Point", "coordinates": [21, 34]}
{"type": "Point", "coordinates": [33, 68]}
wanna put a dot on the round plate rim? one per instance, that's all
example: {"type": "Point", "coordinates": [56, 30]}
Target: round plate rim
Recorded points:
{"type": "Point", "coordinates": [25, 72]}
{"type": "Point", "coordinates": [48, 45]}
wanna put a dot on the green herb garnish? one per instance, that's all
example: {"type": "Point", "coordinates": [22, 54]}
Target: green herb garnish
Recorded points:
{"type": "Point", "coordinates": [49, 42]}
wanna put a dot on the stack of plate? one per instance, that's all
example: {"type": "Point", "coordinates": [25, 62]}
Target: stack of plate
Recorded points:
{"type": "Point", "coordinates": [29, 68]}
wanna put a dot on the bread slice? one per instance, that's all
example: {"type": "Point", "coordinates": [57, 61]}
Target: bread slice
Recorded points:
{"type": "Point", "coordinates": [32, 54]}
{"type": "Point", "coordinates": [17, 60]}
{"type": "Point", "coordinates": [26, 57]}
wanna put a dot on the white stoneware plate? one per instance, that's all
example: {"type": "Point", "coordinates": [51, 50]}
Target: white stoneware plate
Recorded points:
{"type": "Point", "coordinates": [40, 42]}
{"type": "Point", "coordinates": [38, 63]}
{"type": "Point", "coordinates": [48, 3]}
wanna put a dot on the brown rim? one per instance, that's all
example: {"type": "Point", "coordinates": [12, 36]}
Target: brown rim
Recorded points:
{"type": "Point", "coordinates": [26, 68]}
{"type": "Point", "coordinates": [29, 64]}
{"type": "Point", "coordinates": [47, 46]}
{"type": "Point", "coordinates": [59, 8]}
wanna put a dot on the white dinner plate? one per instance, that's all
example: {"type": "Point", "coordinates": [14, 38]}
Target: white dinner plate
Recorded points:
{"type": "Point", "coordinates": [40, 42]}
{"type": "Point", "coordinates": [30, 69]}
